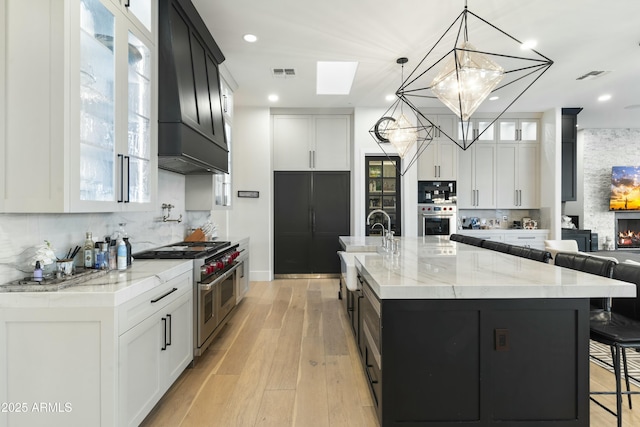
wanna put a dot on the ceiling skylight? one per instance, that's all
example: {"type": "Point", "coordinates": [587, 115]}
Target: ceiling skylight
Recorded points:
{"type": "Point", "coordinates": [335, 77]}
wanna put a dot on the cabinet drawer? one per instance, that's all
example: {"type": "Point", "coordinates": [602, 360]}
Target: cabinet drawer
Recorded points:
{"type": "Point", "coordinates": [133, 312]}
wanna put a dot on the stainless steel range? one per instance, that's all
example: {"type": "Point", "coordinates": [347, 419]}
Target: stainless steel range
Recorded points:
{"type": "Point", "coordinates": [214, 283]}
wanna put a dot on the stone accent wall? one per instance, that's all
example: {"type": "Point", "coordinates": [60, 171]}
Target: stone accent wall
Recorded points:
{"type": "Point", "coordinates": [604, 148]}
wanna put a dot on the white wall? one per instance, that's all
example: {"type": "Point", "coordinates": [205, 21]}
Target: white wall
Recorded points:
{"type": "Point", "coordinates": [252, 170]}
{"type": "Point", "coordinates": [551, 172]}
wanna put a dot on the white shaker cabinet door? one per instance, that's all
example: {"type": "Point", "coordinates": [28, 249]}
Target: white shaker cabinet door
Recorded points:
{"type": "Point", "coordinates": [311, 142]}
{"type": "Point", "coordinates": [477, 177]}
{"type": "Point", "coordinates": [331, 143]}
{"type": "Point", "coordinates": [518, 176]}
{"type": "Point", "coordinates": [292, 142]}
{"type": "Point", "coordinates": [140, 375]}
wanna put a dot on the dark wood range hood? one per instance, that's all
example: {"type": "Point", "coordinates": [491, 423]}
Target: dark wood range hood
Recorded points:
{"type": "Point", "coordinates": [191, 137]}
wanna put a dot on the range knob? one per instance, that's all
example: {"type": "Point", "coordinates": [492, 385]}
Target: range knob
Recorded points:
{"type": "Point", "coordinates": [219, 265]}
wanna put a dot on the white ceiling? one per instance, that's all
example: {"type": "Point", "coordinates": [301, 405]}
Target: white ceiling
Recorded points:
{"type": "Point", "coordinates": [579, 36]}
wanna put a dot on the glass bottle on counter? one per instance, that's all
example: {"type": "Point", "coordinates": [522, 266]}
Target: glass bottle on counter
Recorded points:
{"type": "Point", "coordinates": [89, 251]}
{"type": "Point", "coordinates": [121, 249]}
{"type": "Point", "coordinates": [125, 237]}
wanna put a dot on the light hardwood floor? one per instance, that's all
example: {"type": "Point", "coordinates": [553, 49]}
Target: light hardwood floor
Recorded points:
{"type": "Point", "coordinates": [287, 358]}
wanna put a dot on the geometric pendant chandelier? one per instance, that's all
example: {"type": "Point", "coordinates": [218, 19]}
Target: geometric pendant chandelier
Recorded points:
{"type": "Point", "coordinates": [407, 134]}
{"type": "Point", "coordinates": [462, 75]}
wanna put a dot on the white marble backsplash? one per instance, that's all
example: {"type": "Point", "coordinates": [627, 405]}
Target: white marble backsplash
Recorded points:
{"type": "Point", "coordinates": [20, 233]}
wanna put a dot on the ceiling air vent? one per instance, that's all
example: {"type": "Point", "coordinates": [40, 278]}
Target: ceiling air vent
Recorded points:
{"type": "Point", "coordinates": [592, 75]}
{"type": "Point", "coordinates": [284, 73]}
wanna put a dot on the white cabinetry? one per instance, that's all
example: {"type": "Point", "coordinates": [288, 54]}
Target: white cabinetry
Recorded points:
{"type": "Point", "coordinates": [154, 352]}
{"type": "Point", "coordinates": [527, 238]}
{"type": "Point", "coordinates": [501, 169]}
{"type": "Point", "coordinates": [311, 142]}
{"type": "Point", "coordinates": [439, 161]}
{"type": "Point", "coordinates": [477, 177]}
{"type": "Point", "coordinates": [97, 363]}
{"type": "Point", "coordinates": [94, 147]}
{"type": "Point", "coordinates": [525, 130]}
{"type": "Point", "coordinates": [483, 129]}
{"type": "Point", "coordinates": [518, 175]}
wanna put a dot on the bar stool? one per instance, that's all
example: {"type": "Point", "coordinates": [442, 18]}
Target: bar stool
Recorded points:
{"type": "Point", "coordinates": [530, 253]}
{"type": "Point", "coordinates": [619, 329]}
{"type": "Point", "coordinates": [496, 246]}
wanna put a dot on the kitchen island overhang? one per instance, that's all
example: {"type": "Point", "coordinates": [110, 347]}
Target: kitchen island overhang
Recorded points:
{"type": "Point", "coordinates": [470, 336]}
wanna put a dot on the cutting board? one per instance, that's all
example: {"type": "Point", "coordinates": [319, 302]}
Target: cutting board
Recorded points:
{"type": "Point", "coordinates": [196, 236]}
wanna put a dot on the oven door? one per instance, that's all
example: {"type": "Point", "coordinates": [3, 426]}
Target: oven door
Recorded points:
{"type": "Point", "coordinates": [437, 224]}
{"type": "Point", "coordinates": [207, 312]}
{"type": "Point", "coordinates": [226, 292]}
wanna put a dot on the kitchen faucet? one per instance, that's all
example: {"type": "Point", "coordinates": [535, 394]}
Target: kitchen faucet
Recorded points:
{"type": "Point", "coordinates": [383, 231]}
{"type": "Point", "coordinates": [386, 234]}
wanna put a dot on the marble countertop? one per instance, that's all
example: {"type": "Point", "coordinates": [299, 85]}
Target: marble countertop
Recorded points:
{"type": "Point", "coordinates": [436, 268]}
{"type": "Point", "coordinates": [107, 290]}
{"type": "Point", "coordinates": [503, 230]}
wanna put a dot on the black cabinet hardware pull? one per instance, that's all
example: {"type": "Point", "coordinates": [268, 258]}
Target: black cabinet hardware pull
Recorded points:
{"type": "Point", "coordinates": [121, 157]}
{"type": "Point", "coordinates": [164, 344]}
{"type": "Point", "coordinates": [169, 317]}
{"type": "Point", "coordinates": [126, 4]}
{"type": "Point", "coordinates": [164, 295]}
{"type": "Point", "coordinates": [128, 178]}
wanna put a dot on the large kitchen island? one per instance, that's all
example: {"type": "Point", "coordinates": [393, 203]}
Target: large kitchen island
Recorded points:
{"type": "Point", "coordinates": [453, 334]}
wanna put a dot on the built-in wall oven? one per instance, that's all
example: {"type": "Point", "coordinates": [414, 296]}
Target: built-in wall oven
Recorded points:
{"type": "Point", "coordinates": [214, 288]}
{"type": "Point", "coordinates": [437, 219]}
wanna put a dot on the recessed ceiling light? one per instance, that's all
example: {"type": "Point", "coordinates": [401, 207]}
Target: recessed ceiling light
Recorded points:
{"type": "Point", "coordinates": [250, 38]}
{"type": "Point", "coordinates": [494, 98]}
{"type": "Point", "coordinates": [335, 77]}
{"type": "Point", "coordinates": [390, 97]}
{"type": "Point", "coordinates": [273, 97]}
{"type": "Point", "coordinates": [529, 44]}
{"type": "Point", "coordinates": [603, 98]}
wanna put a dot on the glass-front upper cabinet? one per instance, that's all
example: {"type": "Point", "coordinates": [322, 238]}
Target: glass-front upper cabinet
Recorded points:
{"type": "Point", "coordinates": [139, 150]}
{"type": "Point", "coordinates": [512, 130]}
{"type": "Point", "coordinates": [97, 102]}
{"type": "Point", "coordinates": [117, 109]}
{"type": "Point", "coordinates": [140, 13]}
{"type": "Point", "coordinates": [93, 87]}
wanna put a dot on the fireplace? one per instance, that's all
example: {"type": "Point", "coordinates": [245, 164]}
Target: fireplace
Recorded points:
{"type": "Point", "coordinates": [627, 230]}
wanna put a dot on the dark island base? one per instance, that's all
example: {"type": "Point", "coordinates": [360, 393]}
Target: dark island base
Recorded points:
{"type": "Point", "coordinates": [512, 362]}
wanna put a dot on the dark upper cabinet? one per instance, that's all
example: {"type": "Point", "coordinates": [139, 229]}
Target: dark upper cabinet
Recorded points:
{"type": "Point", "coordinates": [569, 153]}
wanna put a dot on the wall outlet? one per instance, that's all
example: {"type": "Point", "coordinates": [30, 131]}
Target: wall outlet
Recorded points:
{"type": "Point", "coordinates": [505, 218]}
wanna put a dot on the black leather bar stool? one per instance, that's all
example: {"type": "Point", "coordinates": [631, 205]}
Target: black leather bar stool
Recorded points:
{"type": "Point", "coordinates": [471, 240]}
{"type": "Point", "coordinates": [530, 253]}
{"type": "Point", "coordinates": [619, 329]}
{"type": "Point", "coordinates": [496, 246]}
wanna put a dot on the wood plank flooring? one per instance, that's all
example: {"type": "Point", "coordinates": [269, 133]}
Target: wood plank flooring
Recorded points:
{"type": "Point", "coordinates": [287, 358]}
